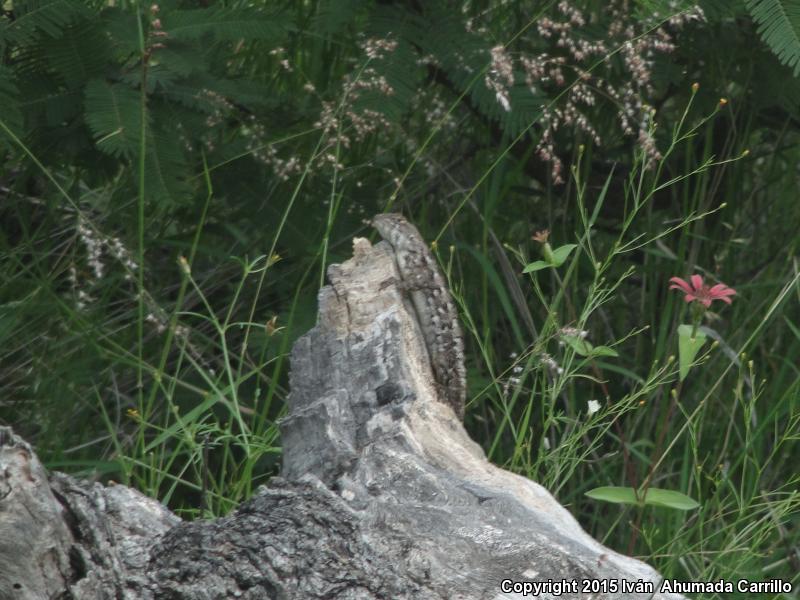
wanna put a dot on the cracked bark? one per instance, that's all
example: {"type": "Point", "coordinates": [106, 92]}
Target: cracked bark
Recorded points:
{"type": "Point", "coordinates": [382, 493]}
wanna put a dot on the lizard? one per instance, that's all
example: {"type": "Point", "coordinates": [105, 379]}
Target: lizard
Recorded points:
{"type": "Point", "coordinates": [433, 304]}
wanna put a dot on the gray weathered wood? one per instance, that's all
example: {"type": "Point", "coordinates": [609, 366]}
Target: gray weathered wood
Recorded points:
{"type": "Point", "coordinates": [382, 493]}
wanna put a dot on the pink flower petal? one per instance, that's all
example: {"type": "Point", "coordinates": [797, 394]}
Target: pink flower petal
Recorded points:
{"type": "Point", "coordinates": [680, 284]}
{"type": "Point", "coordinates": [698, 291]}
{"type": "Point", "coordinates": [722, 290]}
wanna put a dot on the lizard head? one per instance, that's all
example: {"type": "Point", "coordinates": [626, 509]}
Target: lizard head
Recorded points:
{"type": "Point", "coordinates": [396, 230]}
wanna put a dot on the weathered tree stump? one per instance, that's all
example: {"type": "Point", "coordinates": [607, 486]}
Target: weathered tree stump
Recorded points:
{"type": "Point", "coordinates": [382, 493]}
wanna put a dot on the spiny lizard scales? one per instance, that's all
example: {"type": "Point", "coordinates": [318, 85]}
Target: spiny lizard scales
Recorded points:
{"type": "Point", "coordinates": [433, 305]}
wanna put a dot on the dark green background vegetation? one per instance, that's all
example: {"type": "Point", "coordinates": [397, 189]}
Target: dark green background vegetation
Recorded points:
{"type": "Point", "coordinates": [175, 178]}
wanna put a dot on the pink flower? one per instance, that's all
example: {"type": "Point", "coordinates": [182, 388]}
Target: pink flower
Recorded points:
{"type": "Point", "coordinates": [701, 292]}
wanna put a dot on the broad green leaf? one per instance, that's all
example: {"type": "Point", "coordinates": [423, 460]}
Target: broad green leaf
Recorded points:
{"type": "Point", "coordinates": [670, 499]}
{"type": "Point", "coordinates": [561, 253]}
{"type": "Point", "coordinates": [584, 348]}
{"type": "Point", "coordinates": [654, 497]}
{"type": "Point", "coordinates": [688, 347]}
{"type": "Point", "coordinates": [536, 266]}
{"type": "Point", "coordinates": [579, 345]}
{"type": "Point", "coordinates": [615, 494]}
{"type": "Point", "coordinates": [603, 351]}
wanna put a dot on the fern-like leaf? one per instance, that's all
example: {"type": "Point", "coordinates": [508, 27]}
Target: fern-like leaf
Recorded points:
{"type": "Point", "coordinates": [113, 115]}
{"type": "Point", "coordinates": [225, 24]}
{"type": "Point", "coordinates": [165, 171]}
{"type": "Point", "coordinates": [333, 16]}
{"type": "Point", "coordinates": [33, 18]}
{"type": "Point", "coordinates": [9, 100]}
{"type": "Point", "coordinates": [779, 26]}
{"type": "Point", "coordinates": [78, 55]}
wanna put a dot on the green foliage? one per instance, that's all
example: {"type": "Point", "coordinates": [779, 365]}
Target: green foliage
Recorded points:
{"type": "Point", "coordinates": [333, 16]}
{"type": "Point", "coordinates": [82, 70]}
{"type": "Point", "coordinates": [34, 20]}
{"type": "Point", "coordinates": [101, 105]}
{"type": "Point", "coordinates": [779, 27]}
{"type": "Point", "coordinates": [223, 23]}
{"type": "Point", "coordinates": [583, 348]}
{"type": "Point", "coordinates": [9, 98]}
{"type": "Point", "coordinates": [653, 497]}
{"type": "Point", "coordinates": [689, 344]}
{"type": "Point", "coordinates": [113, 114]}
{"type": "Point", "coordinates": [146, 328]}
{"type": "Point", "coordinates": [553, 258]}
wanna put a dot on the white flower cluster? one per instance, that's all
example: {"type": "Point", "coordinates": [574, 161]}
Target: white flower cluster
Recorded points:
{"type": "Point", "coordinates": [572, 50]}
{"type": "Point", "coordinates": [98, 245]}
{"type": "Point", "coordinates": [98, 248]}
{"type": "Point", "coordinates": [500, 76]}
